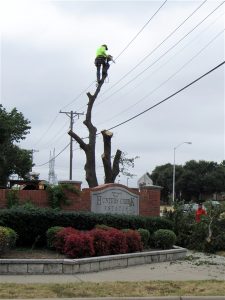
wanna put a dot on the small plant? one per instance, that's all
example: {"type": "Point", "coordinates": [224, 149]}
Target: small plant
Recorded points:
{"type": "Point", "coordinates": [12, 198]}
{"type": "Point", "coordinates": [51, 236]}
{"type": "Point", "coordinates": [164, 238]}
{"type": "Point", "coordinates": [57, 196]}
{"type": "Point", "coordinates": [145, 236]}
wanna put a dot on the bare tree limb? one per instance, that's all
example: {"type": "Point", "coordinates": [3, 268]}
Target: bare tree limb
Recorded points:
{"type": "Point", "coordinates": [82, 144]}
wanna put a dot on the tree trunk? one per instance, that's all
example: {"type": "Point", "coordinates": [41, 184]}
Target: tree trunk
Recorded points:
{"type": "Point", "coordinates": [110, 173]}
{"type": "Point", "coordinates": [116, 164]}
{"type": "Point", "coordinates": [89, 149]}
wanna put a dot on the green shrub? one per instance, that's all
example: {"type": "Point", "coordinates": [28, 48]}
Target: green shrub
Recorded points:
{"type": "Point", "coordinates": [198, 236]}
{"type": "Point", "coordinates": [12, 237]}
{"type": "Point", "coordinates": [199, 239]}
{"type": "Point", "coordinates": [51, 236]}
{"type": "Point", "coordinates": [12, 198]}
{"type": "Point", "coordinates": [57, 194]}
{"type": "Point", "coordinates": [7, 238]}
{"type": "Point", "coordinates": [3, 239]}
{"type": "Point", "coordinates": [145, 236]}
{"type": "Point", "coordinates": [33, 223]}
{"type": "Point", "coordinates": [164, 238]}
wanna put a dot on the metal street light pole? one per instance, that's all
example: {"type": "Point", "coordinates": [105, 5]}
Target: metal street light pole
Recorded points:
{"type": "Point", "coordinates": [174, 166]}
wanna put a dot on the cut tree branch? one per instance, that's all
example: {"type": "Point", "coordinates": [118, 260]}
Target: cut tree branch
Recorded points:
{"type": "Point", "coordinates": [110, 173]}
{"type": "Point", "coordinates": [82, 144]}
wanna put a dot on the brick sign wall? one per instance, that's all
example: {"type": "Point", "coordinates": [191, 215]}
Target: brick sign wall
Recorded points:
{"type": "Point", "coordinates": [107, 198]}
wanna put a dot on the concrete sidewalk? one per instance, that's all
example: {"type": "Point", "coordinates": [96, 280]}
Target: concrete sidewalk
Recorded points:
{"type": "Point", "coordinates": [196, 266]}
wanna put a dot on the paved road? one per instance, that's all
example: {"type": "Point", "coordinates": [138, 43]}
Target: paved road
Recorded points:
{"type": "Point", "coordinates": [196, 266]}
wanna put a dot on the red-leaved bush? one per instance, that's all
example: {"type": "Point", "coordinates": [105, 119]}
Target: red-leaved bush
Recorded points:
{"type": "Point", "coordinates": [118, 244]}
{"type": "Point", "coordinates": [101, 241]}
{"type": "Point", "coordinates": [61, 238]}
{"type": "Point", "coordinates": [78, 245]}
{"type": "Point", "coordinates": [133, 240]}
{"type": "Point", "coordinates": [98, 241]}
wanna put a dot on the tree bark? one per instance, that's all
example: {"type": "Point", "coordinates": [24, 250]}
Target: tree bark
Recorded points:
{"type": "Point", "coordinates": [110, 172]}
{"type": "Point", "coordinates": [116, 164]}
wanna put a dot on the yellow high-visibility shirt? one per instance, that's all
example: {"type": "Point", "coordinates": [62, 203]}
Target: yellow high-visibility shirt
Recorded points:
{"type": "Point", "coordinates": [101, 52]}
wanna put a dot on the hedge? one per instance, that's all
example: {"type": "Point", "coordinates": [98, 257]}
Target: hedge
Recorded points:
{"type": "Point", "coordinates": [7, 239]}
{"type": "Point", "coordinates": [31, 224]}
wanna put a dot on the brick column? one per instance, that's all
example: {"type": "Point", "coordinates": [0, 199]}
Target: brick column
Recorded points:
{"type": "Point", "coordinates": [76, 184]}
{"type": "Point", "coordinates": [149, 204]}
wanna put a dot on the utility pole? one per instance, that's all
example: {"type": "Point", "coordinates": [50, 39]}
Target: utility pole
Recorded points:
{"type": "Point", "coordinates": [71, 114]}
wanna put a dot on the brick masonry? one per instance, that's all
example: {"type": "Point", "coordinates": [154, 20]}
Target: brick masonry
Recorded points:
{"type": "Point", "coordinates": [149, 197]}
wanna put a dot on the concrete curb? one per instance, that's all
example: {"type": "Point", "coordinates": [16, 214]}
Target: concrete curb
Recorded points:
{"type": "Point", "coordinates": [87, 265]}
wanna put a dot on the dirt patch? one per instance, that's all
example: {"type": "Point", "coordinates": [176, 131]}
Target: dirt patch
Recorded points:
{"type": "Point", "coordinates": [23, 253]}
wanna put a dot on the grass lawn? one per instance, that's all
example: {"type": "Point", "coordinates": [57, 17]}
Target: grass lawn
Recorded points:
{"type": "Point", "coordinates": [113, 289]}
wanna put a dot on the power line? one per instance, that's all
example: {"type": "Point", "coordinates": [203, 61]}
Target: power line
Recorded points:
{"type": "Point", "coordinates": [53, 121]}
{"type": "Point", "coordinates": [57, 136]}
{"type": "Point", "coordinates": [155, 62]}
{"type": "Point", "coordinates": [78, 96]}
{"type": "Point", "coordinates": [85, 90]}
{"type": "Point", "coordinates": [54, 156]}
{"type": "Point", "coordinates": [160, 44]}
{"type": "Point", "coordinates": [150, 108]}
{"type": "Point", "coordinates": [167, 98]}
{"type": "Point", "coordinates": [44, 134]}
{"type": "Point", "coordinates": [174, 74]}
{"type": "Point", "coordinates": [161, 55]}
{"type": "Point", "coordinates": [134, 38]}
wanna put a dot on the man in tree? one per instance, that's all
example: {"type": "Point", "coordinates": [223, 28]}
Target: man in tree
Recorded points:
{"type": "Point", "coordinates": [13, 160]}
{"type": "Point", "coordinates": [102, 62]}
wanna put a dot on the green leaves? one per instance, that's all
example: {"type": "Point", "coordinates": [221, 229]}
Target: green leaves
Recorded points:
{"type": "Point", "coordinates": [193, 180]}
{"type": "Point", "coordinates": [13, 128]}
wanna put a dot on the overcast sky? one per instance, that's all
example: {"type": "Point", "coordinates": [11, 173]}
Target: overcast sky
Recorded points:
{"type": "Point", "coordinates": [47, 61]}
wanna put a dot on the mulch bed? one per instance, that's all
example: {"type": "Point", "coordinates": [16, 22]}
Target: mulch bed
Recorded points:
{"type": "Point", "coordinates": [21, 253]}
